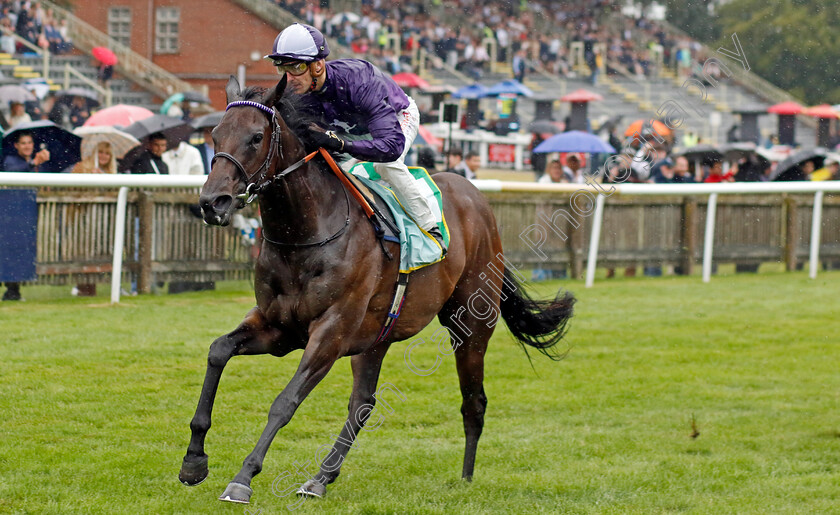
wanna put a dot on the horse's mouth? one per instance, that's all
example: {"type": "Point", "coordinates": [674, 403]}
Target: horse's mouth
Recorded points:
{"type": "Point", "coordinates": [218, 210]}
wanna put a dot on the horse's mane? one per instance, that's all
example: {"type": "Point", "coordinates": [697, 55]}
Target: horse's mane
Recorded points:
{"type": "Point", "coordinates": [296, 111]}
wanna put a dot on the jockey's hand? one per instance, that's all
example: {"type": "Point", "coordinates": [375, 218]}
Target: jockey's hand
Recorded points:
{"type": "Point", "coordinates": [326, 140]}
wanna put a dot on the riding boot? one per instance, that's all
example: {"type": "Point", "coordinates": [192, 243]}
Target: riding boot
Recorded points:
{"type": "Point", "coordinates": [436, 234]}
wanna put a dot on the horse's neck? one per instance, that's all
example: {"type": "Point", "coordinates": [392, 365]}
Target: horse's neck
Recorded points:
{"type": "Point", "coordinates": [305, 206]}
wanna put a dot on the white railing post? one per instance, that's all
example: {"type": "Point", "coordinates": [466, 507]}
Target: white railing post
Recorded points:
{"type": "Point", "coordinates": [594, 240]}
{"type": "Point", "coordinates": [709, 238]}
{"type": "Point", "coordinates": [119, 241]}
{"type": "Point", "coordinates": [816, 224]}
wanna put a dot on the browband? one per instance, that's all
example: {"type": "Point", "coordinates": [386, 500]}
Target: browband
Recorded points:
{"type": "Point", "coordinates": [267, 109]}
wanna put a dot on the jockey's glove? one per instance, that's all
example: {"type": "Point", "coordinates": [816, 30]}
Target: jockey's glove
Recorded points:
{"type": "Point", "coordinates": [327, 140]}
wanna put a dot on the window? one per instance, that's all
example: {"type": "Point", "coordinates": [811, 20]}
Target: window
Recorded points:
{"type": "Point", "coordinates": [167, 20]}
{"type": "Point", "coordinates": [119, 24]}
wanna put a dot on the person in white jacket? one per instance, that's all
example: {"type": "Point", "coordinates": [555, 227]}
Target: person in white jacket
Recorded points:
{"type": "Point", "coordinates": [185, 159]}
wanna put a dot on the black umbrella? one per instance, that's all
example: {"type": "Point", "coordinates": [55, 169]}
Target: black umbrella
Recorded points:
{"type": "Point", "coordinates": [737, 151]}
{"type": "Point", "coordinates": [64, 146]}
{"type": "Point", "coordinates": [66, 95]}
{"type": "Point", "coordinates": [543, 127]}
{"type": "Point", "coordinates": [611, 122]}
{"type": "Point", "coordinates": [174, 130]}
{"type": "Point", "coordinates": [208, 120]}
{"type": "Point", "coordinates": [192, 96]}
{"type": "Point", "coordinates": [701, 153]}
{"type": "Point", "coordinates": [790, 169]}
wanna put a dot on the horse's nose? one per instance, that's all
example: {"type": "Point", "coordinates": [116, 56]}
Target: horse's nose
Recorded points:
{"type": "Point", "coordinates": [216, 209]}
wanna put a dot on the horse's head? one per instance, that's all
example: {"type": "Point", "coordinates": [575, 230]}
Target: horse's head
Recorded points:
{"type": "Point", "coordinates": [246, 140]}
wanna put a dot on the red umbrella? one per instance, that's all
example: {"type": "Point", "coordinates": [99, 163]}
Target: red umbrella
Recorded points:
{"type": "Point", "coordinates": [786, 108]}
{"type": "Point", "coordinates": [410, 80]}
{"type": "Point", "coordinates": [581, 95]}
{"type": "Point", "coordinates": [821, 111]}
{"type": "Point", "coordinates": [119, 115]}
{"type": "Point", "coordinates": [104, 55]}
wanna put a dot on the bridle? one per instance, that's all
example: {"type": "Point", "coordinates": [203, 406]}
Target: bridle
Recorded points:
{"type": "Point", "coordinates": [253, 188]}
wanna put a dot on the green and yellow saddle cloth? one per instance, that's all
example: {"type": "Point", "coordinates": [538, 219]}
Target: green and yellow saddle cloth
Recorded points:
{"type": "Point", "coordinates": [417, 247]}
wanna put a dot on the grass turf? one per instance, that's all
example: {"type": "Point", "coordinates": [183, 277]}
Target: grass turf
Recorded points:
{"type": "Point", "coordinates": [97, 401]}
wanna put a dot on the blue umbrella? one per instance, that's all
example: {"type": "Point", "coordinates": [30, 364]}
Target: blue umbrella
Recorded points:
{"type": "Point", "coordinates": [575, 141]}
{"type": "Point", "coordinates": [471, 92]}
{"type": "Point", "coordinates": [509, 86]}
{"type": "Point", "coordinates": [64, 146]}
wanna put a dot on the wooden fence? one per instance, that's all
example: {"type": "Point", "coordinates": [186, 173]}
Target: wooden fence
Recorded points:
{"type": "Point", "coordinates": [165, 241]}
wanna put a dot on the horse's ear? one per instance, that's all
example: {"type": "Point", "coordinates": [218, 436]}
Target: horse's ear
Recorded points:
{"type": "Point", "coordinates": [232, 89]}
{"type": "Point", "coordinates": [273, 95]}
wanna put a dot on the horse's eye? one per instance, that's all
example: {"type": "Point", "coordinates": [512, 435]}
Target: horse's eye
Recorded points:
{"type": "Point", "coordinates": [257, 139]}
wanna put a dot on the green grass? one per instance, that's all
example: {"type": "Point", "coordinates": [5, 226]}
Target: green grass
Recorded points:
{"type": "Point", "coordinates": [97, 399]}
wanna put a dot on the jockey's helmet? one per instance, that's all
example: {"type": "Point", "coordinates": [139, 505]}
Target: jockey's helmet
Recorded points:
{"type": "Point", "coordinates": [299, 42]}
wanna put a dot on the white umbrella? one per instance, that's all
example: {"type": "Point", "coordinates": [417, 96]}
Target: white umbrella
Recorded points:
{"type": "Point", "coordinates": [340, 18]}
{"type": "Point", "coordinates": [121, 142]}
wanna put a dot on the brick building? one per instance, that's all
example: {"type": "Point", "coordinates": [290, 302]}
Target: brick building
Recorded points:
{"type": "Point", "coordinates": [200, 41]}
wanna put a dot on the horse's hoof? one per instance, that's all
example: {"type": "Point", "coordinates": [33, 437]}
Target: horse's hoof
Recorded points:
{"type": "Point", "coordinates": [312, 488]}
{"type": "Point", "coordinates": [237, 492]}
{"type": "Point", "coordinates": [193, 470]}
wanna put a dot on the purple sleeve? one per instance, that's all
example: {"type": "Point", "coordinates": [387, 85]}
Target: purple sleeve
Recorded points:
{"type": "Point", "coordinates": [388, 140]}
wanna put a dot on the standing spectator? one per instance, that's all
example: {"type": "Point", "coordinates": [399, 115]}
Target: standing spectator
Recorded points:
{"type": "Point", "coordinates": [25, 159]}
{"type": "Point", "coordinates": [663, 172]}
{"type": "Point", "coordinates": [78, 112]}
{"type": "Point", "coordinates": [573, 170]}
{"type": "Point", "coordinates": [458, 165]}
{"type": "Point", "coordinates": [22, 161]}
{"type": "Point", "coordinates": [716, 173]}
{"type": "Point", "coordinates": [519, 65]}
{"type": "Point", "coordinates": [184, 159]}
{"type": "Point", "coordinates": [17, 114]}
{"type": "Point", "coordinates": [553, 173]}
{"type": "Point", "coordinates": [426, 159]}
{"type": "Point", "coordinates": [100, 161]}
{"type": "Point", "coordinates": [207, 149]}
{"type": "Point", "coordinates": [468, 168]}
{"type": "Point", "coordinates": [104, 74]}
{"type": "Point", "coordinates": [682, 173]}
{"type": "Point", "coordinates": [829, 172]}
{"type": "Point", "coordinates": [150, 160]}
{"type": "Point", "coordinates": [8, 44]}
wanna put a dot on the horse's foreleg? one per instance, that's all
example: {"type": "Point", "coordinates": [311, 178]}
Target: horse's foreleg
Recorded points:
{"type": "Point", "coordinates": [253, 336]}
{"type": "Point", "coordinates": [366, 369]}
{"type": "Point", "coordinates": [320, 354]}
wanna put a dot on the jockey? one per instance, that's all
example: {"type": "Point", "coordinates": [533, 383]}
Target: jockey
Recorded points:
{"type": "Point", "coordinates": [357, 95]}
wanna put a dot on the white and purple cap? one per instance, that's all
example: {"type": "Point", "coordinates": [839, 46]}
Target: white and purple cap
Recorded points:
{"type": "Point", "coordinates": [299, 42]}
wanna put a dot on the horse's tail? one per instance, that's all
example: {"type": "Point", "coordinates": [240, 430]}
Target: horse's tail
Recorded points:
{"type": "Point", "coordinates": [537, 323]}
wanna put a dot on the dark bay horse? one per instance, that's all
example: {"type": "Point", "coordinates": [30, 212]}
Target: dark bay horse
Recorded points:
{"type": "Point", "coordinates": [324, 285]}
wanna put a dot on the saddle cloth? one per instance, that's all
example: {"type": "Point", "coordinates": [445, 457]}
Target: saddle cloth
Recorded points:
{"type": "Point", "coordinates": [417, 247]}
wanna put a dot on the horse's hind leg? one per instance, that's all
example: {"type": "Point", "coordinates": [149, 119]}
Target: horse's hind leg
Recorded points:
{"type": "Point", "coordinates": [366, 369]}
{"type": "Point", "coordinates": [469, 335]}
{"type": "Point", "coordinates": [253, 336]}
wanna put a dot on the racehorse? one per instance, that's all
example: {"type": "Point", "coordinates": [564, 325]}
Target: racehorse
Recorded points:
{"type": "Point", "coordinates": [324, 285]}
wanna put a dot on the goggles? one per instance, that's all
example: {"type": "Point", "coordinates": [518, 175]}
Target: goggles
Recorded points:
{"type": "Point", "coordinates": [293, 68]}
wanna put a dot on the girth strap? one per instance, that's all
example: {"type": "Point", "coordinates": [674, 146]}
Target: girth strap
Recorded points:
{"type": "Point", "coordinates": [396, 307]}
